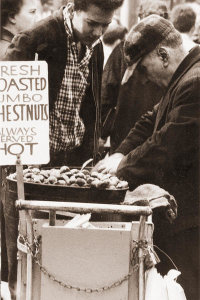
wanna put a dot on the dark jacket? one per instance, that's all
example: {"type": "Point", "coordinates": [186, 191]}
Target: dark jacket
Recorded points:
{"type": "Point", "coordinates": [163, 147]}
{"type": "Point", "coordinates": [132, 99]}
{"type": "Point", "coordinates": [6, 38]}
{"type": "Point", "coordinates": [48, 39]}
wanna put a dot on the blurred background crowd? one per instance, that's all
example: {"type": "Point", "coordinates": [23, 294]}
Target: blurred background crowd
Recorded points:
{"type": "Point", "coordinates": [127, 15]}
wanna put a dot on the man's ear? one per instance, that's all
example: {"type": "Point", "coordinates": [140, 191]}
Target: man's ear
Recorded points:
{"type": "Point", "coordinates": [70, 7]}
{"type": "Point", "coordinates": [164, 55]}
{"type": "Point", "coordinates": [192, 30]}
{"type": "Point", "coordinates": [11, 18]}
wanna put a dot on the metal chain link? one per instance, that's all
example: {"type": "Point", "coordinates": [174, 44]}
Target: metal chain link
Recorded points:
{"type": "Point", "coordinates": [143, 244]}
{"type": "Point", "coordinates": [35, 253]}
{"type": "Point", "coordinates": [149, 256]}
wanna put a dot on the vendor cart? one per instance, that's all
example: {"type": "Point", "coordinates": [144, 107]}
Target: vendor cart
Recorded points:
{"type": "Point", "coordinates": [105, 261]}
{"type": "Point", "coordinates": [102, 262]}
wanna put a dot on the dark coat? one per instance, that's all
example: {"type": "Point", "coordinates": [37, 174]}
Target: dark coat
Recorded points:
{"type": "Point", "coordinates": [131, 100]}
{"type": "Point", "coordinates": [163, 147]}
{"type": "Point", "coordinates": [6, 38]}
{"type": "Point", "coordinates": [48, 39]}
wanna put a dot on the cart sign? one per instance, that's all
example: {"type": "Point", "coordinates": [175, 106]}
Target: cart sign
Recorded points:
{"type": "Point", "coordinates": [24, 112]}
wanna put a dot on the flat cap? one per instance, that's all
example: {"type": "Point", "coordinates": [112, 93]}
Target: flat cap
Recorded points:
{"type": "Point", "coordinates": [144, 37]}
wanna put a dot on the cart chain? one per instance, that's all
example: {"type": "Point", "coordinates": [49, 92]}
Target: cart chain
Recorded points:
{"type": "Point", "coordinates": [142, 244]}
{"type": "Point", "coordinates": [148, 254]}
{"type": "Point", "coordinates": [34, 250]}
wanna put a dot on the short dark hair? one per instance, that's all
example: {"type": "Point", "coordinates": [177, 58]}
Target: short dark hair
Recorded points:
{"type": "Point", "coordinates": [9, 7]}
{"type": "Point", "coordinates": [43, 2]}
{"type": "Point", "coordinates": [103, 4]}
{"type": "Point", "coordinates": [183, 17]}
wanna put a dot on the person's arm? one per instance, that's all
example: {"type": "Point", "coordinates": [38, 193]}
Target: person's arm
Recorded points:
{"type": "Point", "coordinates": [44, 38]}
{"type": "Point", "coordinates": [142, 130]}
{"type": "Point", "coordinates": [137, 136]}
{"type": "Point", "coordinates": [171, 146]}
{"type": "Point", "coordinates": [21, 48]}
{"type": "Point", "coordinates": [111, 80]}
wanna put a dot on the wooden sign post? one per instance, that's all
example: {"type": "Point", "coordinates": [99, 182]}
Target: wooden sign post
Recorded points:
{"type": "Point", "coordinates": [22, 258]}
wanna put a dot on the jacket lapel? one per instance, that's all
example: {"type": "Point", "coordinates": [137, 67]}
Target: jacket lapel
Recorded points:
{"type": "Point", "coordinates": [6, 35]}
{"type": "Point", "coordinates": [186, 64]}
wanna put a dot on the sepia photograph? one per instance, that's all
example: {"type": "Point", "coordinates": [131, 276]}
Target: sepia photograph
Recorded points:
{"type": "Point", "coordinates": [100, 149]}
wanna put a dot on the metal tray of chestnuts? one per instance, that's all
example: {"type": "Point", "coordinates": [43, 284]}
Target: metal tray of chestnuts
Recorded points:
{"type": "Point", "coordinates": [69, 184]}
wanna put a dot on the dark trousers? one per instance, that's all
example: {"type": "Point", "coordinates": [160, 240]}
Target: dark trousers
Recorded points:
{"type": "Point", "coordinates": [183, 249]}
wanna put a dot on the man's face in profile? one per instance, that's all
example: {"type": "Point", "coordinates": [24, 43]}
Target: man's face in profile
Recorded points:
{"type": "Point", "coordinates": [91, 24]}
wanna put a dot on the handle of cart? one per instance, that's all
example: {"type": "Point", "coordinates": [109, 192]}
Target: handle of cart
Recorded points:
{"type": "Point", "coordinates": [24, 206]}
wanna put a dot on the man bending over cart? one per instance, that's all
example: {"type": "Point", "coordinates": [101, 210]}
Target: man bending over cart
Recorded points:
{"type": "Point", "coordinates": [163, 147]}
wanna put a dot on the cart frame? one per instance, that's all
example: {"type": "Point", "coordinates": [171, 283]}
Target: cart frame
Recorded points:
{"type": "Point", "coordinates": [52, 207]}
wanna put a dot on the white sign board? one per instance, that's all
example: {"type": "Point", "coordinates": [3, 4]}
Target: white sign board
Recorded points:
{"type": "Point", "coordinates": [24, 112]}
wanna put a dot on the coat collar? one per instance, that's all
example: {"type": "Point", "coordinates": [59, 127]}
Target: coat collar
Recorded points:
{"type": "Point", "coordinates": [185, 65]}
{"type": "Point", "coordinates": [6, 35]}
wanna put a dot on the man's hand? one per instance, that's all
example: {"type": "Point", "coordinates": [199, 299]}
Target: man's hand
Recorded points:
{"type": "Point", "coordinates": [109, 164]}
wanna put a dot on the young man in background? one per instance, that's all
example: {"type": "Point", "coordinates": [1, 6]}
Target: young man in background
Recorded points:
{"type": "Point", "coordinates": [69, 41]}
